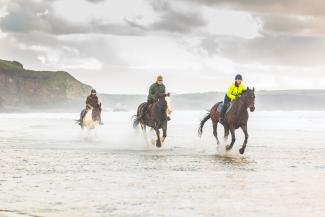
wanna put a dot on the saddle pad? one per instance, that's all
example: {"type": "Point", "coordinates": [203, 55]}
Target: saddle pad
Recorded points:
{"type": "Point", "coordinates": [219, 108]}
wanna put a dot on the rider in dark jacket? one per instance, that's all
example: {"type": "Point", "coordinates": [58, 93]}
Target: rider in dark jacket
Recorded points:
{"type": "Point", "coordinates": [91, 102]}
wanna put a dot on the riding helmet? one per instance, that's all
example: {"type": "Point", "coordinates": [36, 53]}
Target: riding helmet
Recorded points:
{"type": "Point", "coordinates": [239, 77]}
{"type": "Point", "coordinates": [93, 91]}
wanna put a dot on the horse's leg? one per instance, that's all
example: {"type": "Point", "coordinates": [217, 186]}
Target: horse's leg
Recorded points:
{"type": "Point", "coordinates": [158, 142]}
{"type": "Point", "coordinates": [151, 137]}
{"type": "Point", "coordinates": [215, 119]}
{"type": "Point", "coordinates": [215, 131]}
{"type": "Point", "coordinates": [242, 150]}
{"type": "Point", "coordinates": [144, 132]}
{"type": "Point", "coordinates": [233, 138]}
{"type": "Point", "coordinates": [225, 137]}
{"type": "Point", "coordinates": [164, 128]}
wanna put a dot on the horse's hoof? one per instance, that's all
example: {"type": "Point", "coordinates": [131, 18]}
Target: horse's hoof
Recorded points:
{"type": "Point", "coordinates": [228, 148]}
{"type": "Point", "coordinates": [241, 151]}
{"type": "Point", "coordinates": [158, 145]}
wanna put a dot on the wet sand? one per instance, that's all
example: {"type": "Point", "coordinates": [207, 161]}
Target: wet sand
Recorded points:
{"type": "Point", "coordinates": [48, 167]}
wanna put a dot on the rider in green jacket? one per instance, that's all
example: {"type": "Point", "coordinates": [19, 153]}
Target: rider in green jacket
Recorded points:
{"type": "Point", "coordinates": [234, 90]}
{"type": "Point", "coordinates": [156, 89]}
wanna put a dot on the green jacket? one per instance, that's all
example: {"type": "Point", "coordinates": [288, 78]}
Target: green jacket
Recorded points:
{"type": "Point", "coordinates": [234, 91]}
{"type": "Point", "coordinates": [156, 89]}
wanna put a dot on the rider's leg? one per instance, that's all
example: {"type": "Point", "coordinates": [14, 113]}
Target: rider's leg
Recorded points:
{"type": "Point", "coordinates": [224, 109]}
{"type": "Point", "coordinates": [145, 108]}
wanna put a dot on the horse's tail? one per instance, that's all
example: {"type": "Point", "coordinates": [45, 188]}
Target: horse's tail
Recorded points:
{"type": "Point", "coordinates": [137, 118]}
{"type": "Point", "coordinates": [136, 121]}
{"type": "Point", "coordinates": [200, 130]}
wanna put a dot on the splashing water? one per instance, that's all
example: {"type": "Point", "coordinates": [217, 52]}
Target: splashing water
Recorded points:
{"type": "Point", "coordinates": [49, 167]}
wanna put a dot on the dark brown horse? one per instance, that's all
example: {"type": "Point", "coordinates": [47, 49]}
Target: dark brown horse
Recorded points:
{"type": "Point", "coordinates": [154, 117]}
{"type": "Point", "coordinates": [236, 117]}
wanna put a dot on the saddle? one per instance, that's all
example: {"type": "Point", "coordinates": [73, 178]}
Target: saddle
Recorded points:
{"type": "Point", "coordinates": [220, 106]}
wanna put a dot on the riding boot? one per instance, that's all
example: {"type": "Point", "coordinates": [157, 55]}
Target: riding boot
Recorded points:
{"type": "Point", "coordinates": [222, 114]}
{"type": "Point", "coordinates": [168, 118]}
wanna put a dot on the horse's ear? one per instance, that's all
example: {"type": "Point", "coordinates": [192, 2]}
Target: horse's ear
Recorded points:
{"type": "Point", "coordinates": [253, 88]}
{"type": "Point", "coordinates": [247, 88]}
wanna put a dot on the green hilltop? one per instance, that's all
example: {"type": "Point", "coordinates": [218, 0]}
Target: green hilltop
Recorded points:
{"type": "Point", "coordinates": [22, 88]}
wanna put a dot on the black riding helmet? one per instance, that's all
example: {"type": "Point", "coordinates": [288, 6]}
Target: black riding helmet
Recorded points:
{"type": "Point", "coordinates": [239, 77]}
{"type": "Point", "coordinates": [93, 91]}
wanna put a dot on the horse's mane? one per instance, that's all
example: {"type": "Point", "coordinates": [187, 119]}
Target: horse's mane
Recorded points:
{"type": "Point", "coordinates": [243, 94]}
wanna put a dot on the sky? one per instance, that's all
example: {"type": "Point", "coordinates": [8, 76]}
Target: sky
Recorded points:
{"type": "Point", "coordinates": [197, 45]}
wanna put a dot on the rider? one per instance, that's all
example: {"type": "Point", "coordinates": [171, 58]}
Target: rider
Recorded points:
{"type": "Point", "coordinates": [234, 90]}
{"type": "Point", "coordinates": [91, 102]}
{"type": "Point", "coordinates": [155, 90]}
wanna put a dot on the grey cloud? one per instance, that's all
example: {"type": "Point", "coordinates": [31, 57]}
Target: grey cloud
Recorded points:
{"type": "Point", "coordinates": [58, 51]}
{"type": "Point", "coordinates": [301, 17]}
{"type": "Point", "coordinates": [295, 51]}
{"type": "Point", "coordinates": [29, 16]}
{"type": "Point", "coordinates": [298, 7]}
{"type": "Point", "coordinates": [172, 19]}
{"type": "Point", "coordinates": [95, 1]}
{"type": "Point", "coordinates": [210, 45]}
{"type": "Point", "coordinates": [293, 24]}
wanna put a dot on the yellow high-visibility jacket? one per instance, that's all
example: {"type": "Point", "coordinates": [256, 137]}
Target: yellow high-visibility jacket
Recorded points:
{"type": "Point", "coordinates": [234, 91]}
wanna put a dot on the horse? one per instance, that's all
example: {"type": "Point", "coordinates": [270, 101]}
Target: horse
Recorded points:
{"type": "Point", "coordinates": [156, 117]}
{"type": "Point", "coordinates": [92, 117]}
{"type": "Point", "coordinates": [235, 117]}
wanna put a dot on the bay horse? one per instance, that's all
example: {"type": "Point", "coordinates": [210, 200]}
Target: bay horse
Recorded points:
{"type": "Point", "coordinates": [236, 117]}
{"type": "Point", "coordinates": [155, 117]}
{"type": "Point", "coordinates": [92, 117]}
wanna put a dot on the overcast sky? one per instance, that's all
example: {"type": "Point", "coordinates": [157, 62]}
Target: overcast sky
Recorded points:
{"type": "Point", "coordinates": [119, 46]}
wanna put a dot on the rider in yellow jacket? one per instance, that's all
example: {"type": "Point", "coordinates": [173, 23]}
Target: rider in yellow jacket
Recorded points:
{"type": "Point", "coordinates": [234, 90]}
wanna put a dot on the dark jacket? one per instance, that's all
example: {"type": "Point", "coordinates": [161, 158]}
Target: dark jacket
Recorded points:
{"type": "Point", "coordinates": [155, 90]}
{"type": "Point", "coordinates": [92, 101]}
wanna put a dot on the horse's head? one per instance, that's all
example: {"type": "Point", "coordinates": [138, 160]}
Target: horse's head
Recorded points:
{"type": "Point", "coordinates": [250, 97]}
{"type": "Point", "coordinates": [165, 101]}
{"type": "Point", "coordinates": [97, 111]}
{"type": "Point", "coordinates": [169, 105]}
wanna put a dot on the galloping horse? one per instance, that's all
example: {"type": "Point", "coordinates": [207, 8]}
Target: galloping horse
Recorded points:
{"type": "Point", "coordinates": [155, 117]}
{"type": "Point", "coordinates": [91, 118]}
{"type": "Point", "coordinates": [236, 116]}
